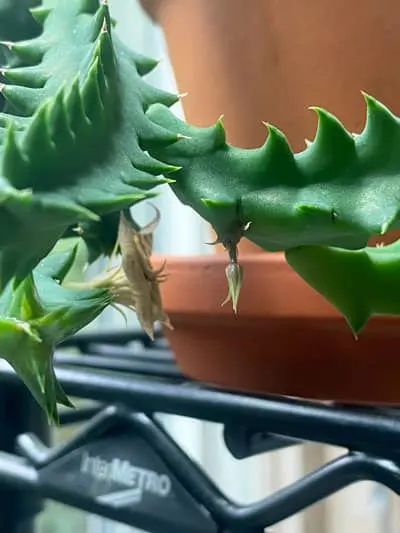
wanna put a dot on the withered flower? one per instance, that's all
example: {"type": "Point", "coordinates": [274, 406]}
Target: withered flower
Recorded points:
{"type": "Point", "coordinates": [134, 283]}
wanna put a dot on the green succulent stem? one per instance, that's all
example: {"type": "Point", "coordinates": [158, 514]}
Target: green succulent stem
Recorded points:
{"type": "Point", "coordinates": [83, 137]}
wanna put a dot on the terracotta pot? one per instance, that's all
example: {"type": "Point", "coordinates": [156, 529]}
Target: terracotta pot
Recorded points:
{"type": "Point", "coordinates": [271, 62]}
{"type": "Point", "coordinates": [287, 341]}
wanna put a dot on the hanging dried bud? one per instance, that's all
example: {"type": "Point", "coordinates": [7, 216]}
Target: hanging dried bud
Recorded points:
{"type": "Point", "coordinates": [234, 275]}
{"type": "Point", "coordinates": [135, 284]}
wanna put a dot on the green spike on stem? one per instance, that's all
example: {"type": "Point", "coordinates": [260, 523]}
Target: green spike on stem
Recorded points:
{"type": "Point", "coordinates": [32, 77]}
{"type": "Point", "coordinates": [14, 164]}
{"type": "Point", "coordinates": [91, 95]}
{"type": "Point", "coordinates": [101, 21]}
{"type": "Point", "coordinates": [154, 166]}
{"type": "Point", "coordinates": [382, 129]}
{"type": "Point", "coordinates": [28, 52]}
{"type": "Point", "coordinates": [219, 133]}
{"type": "Point", "coordinates": [37, 137]}
{"type": "Point", "coordinates": [59, 126]}
{"type": "Point", "coordinates": [22, 99]}
{"type": "Point", "coordinates": [105, 51]}
{"type": "Point", "coordinates": [40, 14]}
{"type": "Point", "coordinates": [153, 95]}
{"type": "Point", "coordinates": [277, 159]}
{"type": "Point", "coordinates": [331, 139]}
{"type": "Point", "coordinates": [144, 64]}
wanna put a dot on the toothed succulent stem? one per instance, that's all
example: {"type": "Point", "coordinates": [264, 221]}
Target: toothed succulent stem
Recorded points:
{"type": "Point", "coordinates": [83, 138]}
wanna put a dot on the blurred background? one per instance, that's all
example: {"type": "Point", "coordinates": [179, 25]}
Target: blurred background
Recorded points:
{"type": "Point", "coordinates": [365, 507]}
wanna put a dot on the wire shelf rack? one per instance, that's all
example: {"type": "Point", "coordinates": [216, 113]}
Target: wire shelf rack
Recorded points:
{"type": "Point", "coordinates": [123, 465]}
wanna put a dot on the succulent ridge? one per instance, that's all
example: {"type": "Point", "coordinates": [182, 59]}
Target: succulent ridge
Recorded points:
{"type": "Point", "coordinates": [339, 191]}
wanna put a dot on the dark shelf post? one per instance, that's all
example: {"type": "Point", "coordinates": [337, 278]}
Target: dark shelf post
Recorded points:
{"type": "Point", "coordinates": [19, 413]}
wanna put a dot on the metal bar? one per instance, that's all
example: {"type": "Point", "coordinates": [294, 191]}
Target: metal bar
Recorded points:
{"type": "Point", "coordinates": [68, 416]}
{"type": "Point", "coordinates": [15, 472]}
{"type": "Point", "coordinates": [377, 432]}
{"type": "Point", "coordinates": [118, 364]}
{"type": "Point", "coordinates": [286, 502]}
{"type": "Point", "coordinates": [152, 354]}
{"type": "Point", "coordinates": [244, 441]}
{"type": "Point", "coordinates": [110, 337]}
{"type": "Point", "coordinates": [303, 420]}
{"type": "Point", "coordinates": [313, 488]}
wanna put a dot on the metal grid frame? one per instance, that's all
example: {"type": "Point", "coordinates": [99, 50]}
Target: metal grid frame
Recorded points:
{"type": "Point", "coordinates": [130, 384]}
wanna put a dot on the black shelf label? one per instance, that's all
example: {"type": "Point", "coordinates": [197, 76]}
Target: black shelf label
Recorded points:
{"type": "Point", "coordinates": [123, 473]}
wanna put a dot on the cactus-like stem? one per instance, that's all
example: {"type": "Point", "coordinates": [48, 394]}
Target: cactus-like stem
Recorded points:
{"type": "Point", "coordinates": [321, 205]}
{"type": "Point", "coordinates": [360, 283]}
{"type": "Point", "coordinates": [38, 314]}
{"type": "Point", "coordinates": [339, 191]}
{"type": "Point", "coordinates": [74, 147]}
{"type": "Point", "coordinates": [83, 138]}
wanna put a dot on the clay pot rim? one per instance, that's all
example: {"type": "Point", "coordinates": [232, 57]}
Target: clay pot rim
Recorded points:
{"type": "Point", "coordinates": [197, 284]}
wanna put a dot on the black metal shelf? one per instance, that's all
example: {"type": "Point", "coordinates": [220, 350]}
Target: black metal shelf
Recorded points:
{"type": "Point", "coordinates": [124, 466]}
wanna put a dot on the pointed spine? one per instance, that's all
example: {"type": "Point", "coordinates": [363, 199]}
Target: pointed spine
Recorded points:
{"type": "Point", "coordinates": [59, 128]}
{"type": "Point", "coordinates": [154, 136]}
{"type": "Point", "coordinates": [37, 140]}
{"type": "Point", "coordinates": [40, 14]}
{"type": "Point", "coordinates": [91, 95]}
{"type": "Point", "coordinates": [146, 163]}
{"type": "Point", "coordinates": [27, 52]}
{"type": "Point", "coordinates": [276, 158]}
{"type": "Point", "coordinates": [219, 134]}
{"type": "Point", "coordinates": [382, 128]}
{"type": "Point", "coordinates": [101, 21]}
{"type": "Point", "coordinates": [22, 99]}
{"type": "Point", "coordinates": [77, 119]}
{"type": "Point", "coordinates": [31, 77]}
{"type": "Point", "coordinates": [15, 166]}
{"type": "Point", "coordinates": [332, 140]}
{"type": "Point", "coordinates": [143, 64]}
{"type": "Point", "coordinates": [105, 51]}
{"type": "Point", "coordinates": [143, 181]}
{"type": "Point", "coordinates": [152, 95]}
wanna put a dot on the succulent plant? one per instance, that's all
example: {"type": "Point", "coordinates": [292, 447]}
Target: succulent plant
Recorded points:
{"type": "Point", "coordinates": [83, 138]}
{"type": "Point", "coordinates": [38, 314]}
{"type": "Point", "coordinates": [74, 148]}
{"type": "Point", "coordinates": [321, 206]}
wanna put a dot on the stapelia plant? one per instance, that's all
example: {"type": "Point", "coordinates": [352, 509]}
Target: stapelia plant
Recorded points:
{"type": "Point", "coordinates": [83, 138]}
{"type": "Point", "coordinates": [73, 141]}
{"type": "Point", "coordinates": [321, 206]}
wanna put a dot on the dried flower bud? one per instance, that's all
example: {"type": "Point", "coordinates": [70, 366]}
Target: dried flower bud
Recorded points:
{"type": "Point", "coordinates": [135, 284]}
{"type": "Point", "coordinates": [234, 275]}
